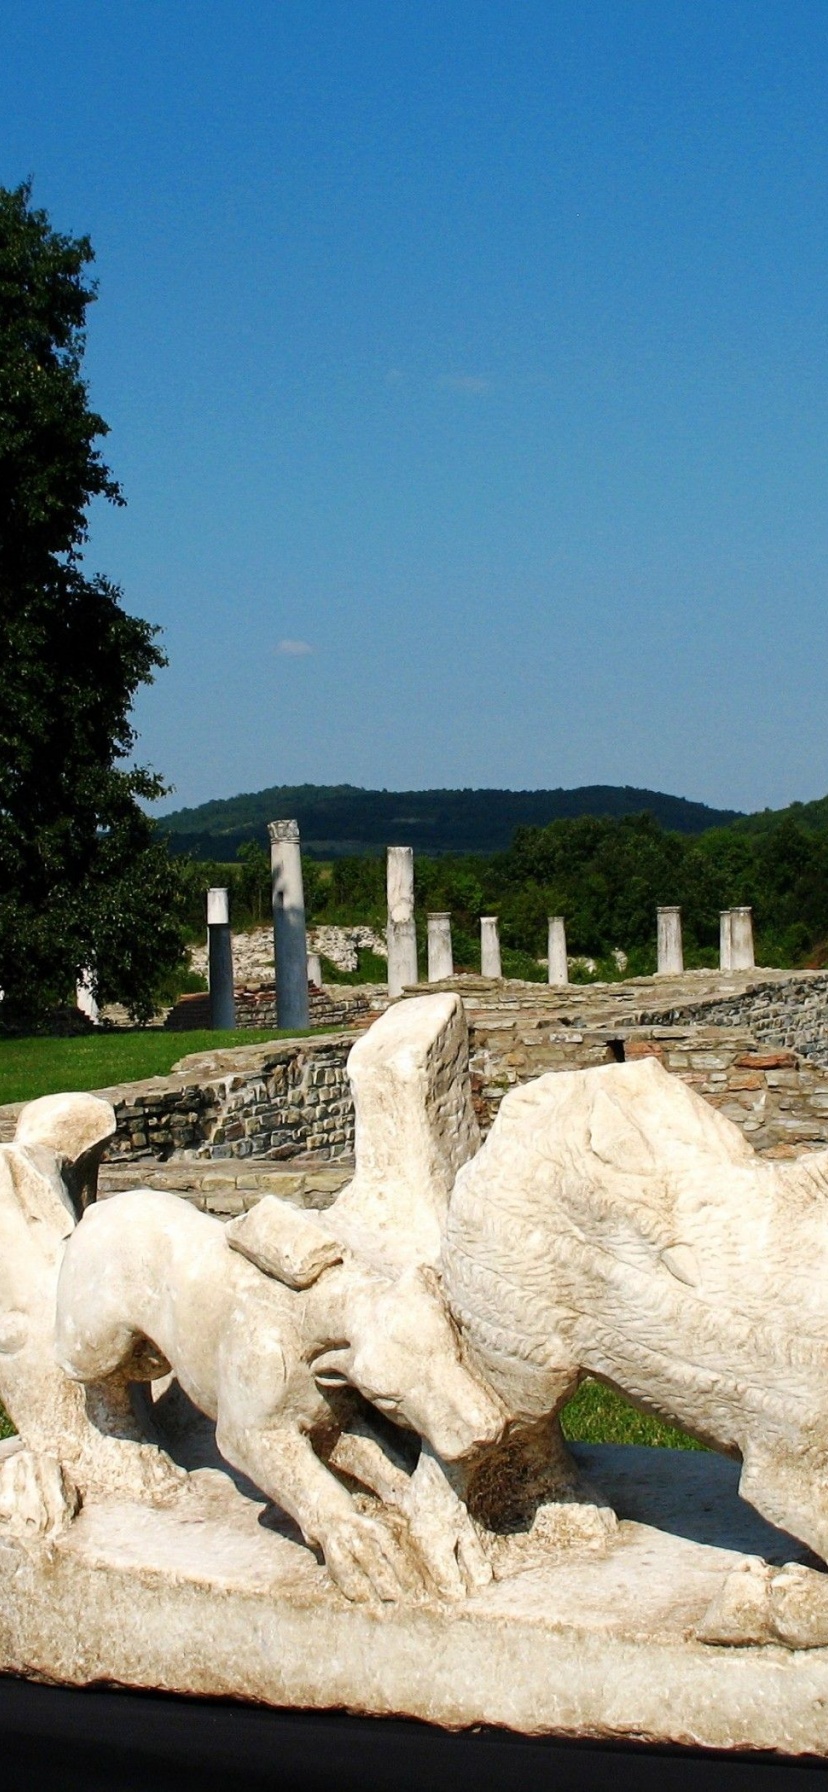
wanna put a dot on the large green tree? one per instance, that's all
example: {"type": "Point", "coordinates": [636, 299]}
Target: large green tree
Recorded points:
{"type": "Point", "coordinates": [83, 882]}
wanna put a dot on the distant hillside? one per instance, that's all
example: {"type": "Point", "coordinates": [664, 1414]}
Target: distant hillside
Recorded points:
{"type": "Point", "coordinates": [343, 819]}
{"type": "Point", "coordinates": [813, 817]}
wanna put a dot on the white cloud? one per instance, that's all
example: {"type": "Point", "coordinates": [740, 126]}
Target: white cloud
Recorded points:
{"type": "Point", "coordinates": [294, 647]}
{"type": "Point", "coordinates": [464, 382]}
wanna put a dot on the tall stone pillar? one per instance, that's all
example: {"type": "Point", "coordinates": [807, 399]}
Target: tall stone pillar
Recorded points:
{"type": "Point", "coordinates": [670, 961]}
{"type": "Point", "coordinates": [220, 960]}
{"type": "Point", "coordinates": [490, 947]}
{"type": "Point", "coordinates": [558, 967]}
{"type": "Point", "coordinates": [440, 956]}
{"type": "Point", "coordinates": [289, 937]}
{"type": "Point", "coordinates": [725, 939]}
{"type": "Point", "coordinates": [402, 939]}
{"type": "Point", "coordinates": [741, 939]}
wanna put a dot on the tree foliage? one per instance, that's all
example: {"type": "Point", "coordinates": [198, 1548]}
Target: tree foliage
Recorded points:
{"type": "Point", "coordinates": [84, 881]}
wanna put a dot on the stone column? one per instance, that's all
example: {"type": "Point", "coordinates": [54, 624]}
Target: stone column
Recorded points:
{"type": "Point", "coordinates": [402, 939]}
{"type": "Point", "coordinates": [558, 967]}
{"type": "Point", "coordinates": [289, 937]}
{"type": "Point", "coordinates": [725, 939]}
{"type": "Point", "coordinates": [440, 957]}
{"type": "Point", "coordinates": [315, 969]}
{"type": "Point", "coordinates": [220, 960]}
{"type": "Point", "coordinates": [670, 955]}
{"type": "Point", "coordinates": [741, 939]}
{"type": "Point", "coordinates": [489, 947]}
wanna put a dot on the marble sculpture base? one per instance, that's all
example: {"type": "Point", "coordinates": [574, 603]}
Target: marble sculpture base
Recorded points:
{"type": "Point", "coordinates": [206, 1598]}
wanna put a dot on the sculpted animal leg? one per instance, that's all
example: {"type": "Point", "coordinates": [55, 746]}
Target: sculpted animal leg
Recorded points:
{"type": "Point", "coordinates": [360, 1553]}
{"type": "Point", "coordinates": [437, 1520]}
{"type": "Point", "coordinates": [788, 1494]}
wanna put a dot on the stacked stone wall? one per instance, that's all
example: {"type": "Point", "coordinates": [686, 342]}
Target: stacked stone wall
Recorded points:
{"type": "Point", "coordinates": [779, 1101]}
{"type": "Point", "coordinates": [290, 1100]}
{"type": "Point", "coordinates": [792, 1015]}
{"type": "Point", "coordinates": [272, 1103]}
{"type": "Point", "coordinates": [255, 1006]}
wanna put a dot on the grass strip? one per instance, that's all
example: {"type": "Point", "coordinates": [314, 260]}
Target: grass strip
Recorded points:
{"type": "Point", "coordinates": [40, 1066]}
{"type": "Point", "coordinates": [597, 1415]}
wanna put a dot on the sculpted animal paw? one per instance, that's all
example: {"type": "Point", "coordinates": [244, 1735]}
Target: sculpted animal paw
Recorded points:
{"type": "Point", "coordinates": [452, 1553]}
{"type": "Point", "coordinates": [36, 1499]}
{"type": "Point", "coordinates": [760, 1604]}
{"type": "Point", "coordinates": [367, 1562]}
{"type": "Point", "coordinates": [740, 1612]}
{"type": "Point", "coordinates": [799, 1607]}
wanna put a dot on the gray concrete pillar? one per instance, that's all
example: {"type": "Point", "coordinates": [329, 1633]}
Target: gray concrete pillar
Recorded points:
{"type": "Point", "coordinates": [558, 968]}
{"type": "Point", "coordinates": [725, 939]}
{"type": "Point", "coordinates": [440, 956]}
{"type": "Point", "coordinates": [289, 937]}
{"type": "Point", "coordinates": [315, 969]}
{"type": "Point", "coordinates": [741, 939]}
{"type": "Point", "coordinates": [402, 939]}
{"type": "Point", "coordinates": [670, 960]}
{"type": "Point", "coordinates": [490, 947]}
{"type": "Point", "coordinates": [220, 960]}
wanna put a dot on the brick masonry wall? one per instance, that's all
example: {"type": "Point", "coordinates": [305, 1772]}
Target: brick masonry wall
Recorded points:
{"type": "Point", "coordinates": [779, 1101]}
{"type": "Point", "coordinates": [256, 1008]}
{"type": "Point", "coordinates": [791, 1014]}
{"type": "Point", "coordinates": [272, 1103]}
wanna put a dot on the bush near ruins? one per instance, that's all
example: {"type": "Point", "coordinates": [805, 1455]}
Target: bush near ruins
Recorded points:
{"type": "Point", "coordinates": [84, 880]}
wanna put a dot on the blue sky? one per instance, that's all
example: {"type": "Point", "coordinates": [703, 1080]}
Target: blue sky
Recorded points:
{"type": "Point", "coordinates": [466, 373]}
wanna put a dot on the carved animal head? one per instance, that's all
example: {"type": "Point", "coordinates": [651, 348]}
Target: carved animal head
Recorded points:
{"type": "Point", "coordinates": [408, 1363]}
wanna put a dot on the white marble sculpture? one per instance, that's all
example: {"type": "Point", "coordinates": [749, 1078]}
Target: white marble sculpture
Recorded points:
{"type": "Point", "coordinates": [455, 1293]}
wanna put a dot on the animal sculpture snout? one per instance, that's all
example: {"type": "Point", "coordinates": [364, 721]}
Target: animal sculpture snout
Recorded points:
{"type": "Point", "coordinates": [463, 1423]}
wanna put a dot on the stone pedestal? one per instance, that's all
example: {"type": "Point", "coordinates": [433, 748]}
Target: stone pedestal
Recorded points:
{"type": "Point", "coordinates": [289, 936]}
{"type": "Point", "coordinates": [593, 1635]}
{"type": "Point", "coordinates": [315, 969]}
{"type": "Point", "coordinates": [402, 939]}
{"type": "Point", "coordinates": [558, 967]}
{"type": "Point", "coordinates": [670, 961]}
{"type": "Point", "coordinates": [741, 939]}
{"type": "Point", "coordinates": [490, 965]}
{"type": "Point", "coordinates": [725, 940]}
{"type": "Point", "coordinates": [440, 956]}
{"type": "Point", "coordinates": [220, 960]}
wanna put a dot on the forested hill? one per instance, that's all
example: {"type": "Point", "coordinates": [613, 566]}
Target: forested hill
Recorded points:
{"type": "Point", "coordinates": [340, 820]}
{"type": "Point", "coordinates": [811, 817]}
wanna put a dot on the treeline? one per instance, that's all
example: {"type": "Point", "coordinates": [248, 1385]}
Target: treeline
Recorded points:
{"type": "Point", "coordinates": [606, 877]}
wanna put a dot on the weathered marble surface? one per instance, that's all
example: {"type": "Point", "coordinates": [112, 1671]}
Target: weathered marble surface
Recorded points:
{"type": "Point", "coordinates": [162, 1369]}
{"type": "Point", "coordinates": [592, 1640]}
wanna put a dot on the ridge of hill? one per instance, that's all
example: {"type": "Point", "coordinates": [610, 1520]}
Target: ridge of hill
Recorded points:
{"type": "Point", "coordinates": [343, 819]}
{"type": "Point", "coordinates": [812, 817]}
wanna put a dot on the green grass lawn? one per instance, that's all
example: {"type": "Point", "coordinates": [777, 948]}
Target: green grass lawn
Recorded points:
{"type": "Point", "coordinates": [40, 1066]}
{"type": "Point", "coordinates": [598, 1416]}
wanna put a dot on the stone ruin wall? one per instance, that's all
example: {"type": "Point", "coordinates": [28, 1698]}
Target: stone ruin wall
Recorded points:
{"type": "Point", "coordinates": [792, 1013]}
{"type": "Point", "coordinates": [280, 1116]}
